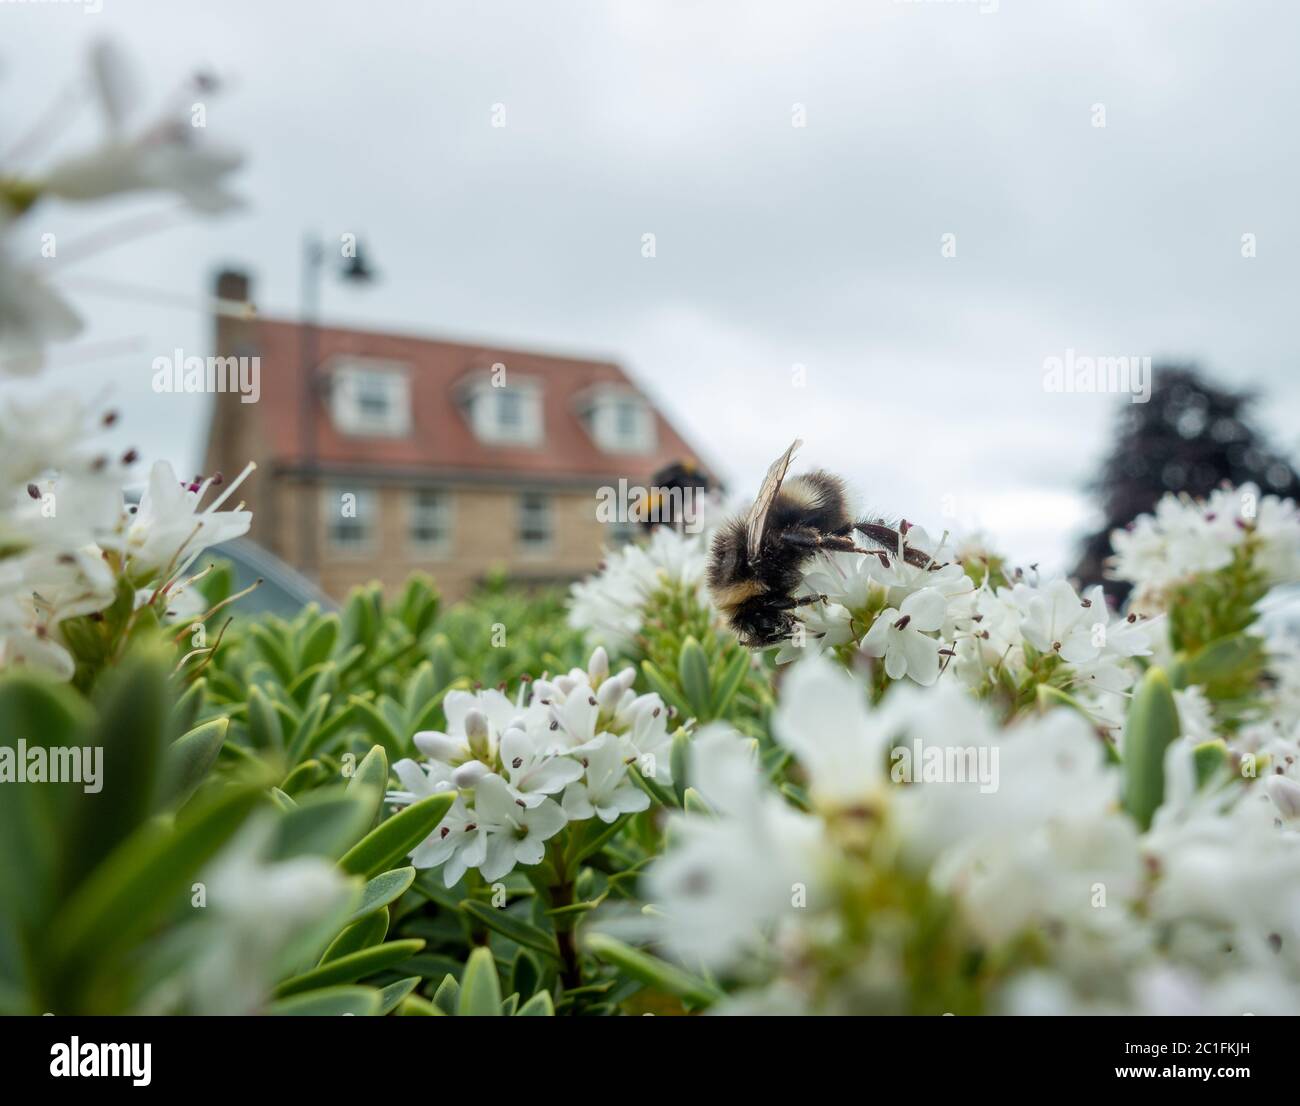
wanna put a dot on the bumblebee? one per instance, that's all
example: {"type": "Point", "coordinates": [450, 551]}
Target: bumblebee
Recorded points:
{"type": "Point", "coordinates": [756, 563]}
{"type": "Point", "coordinates": [686, 478]}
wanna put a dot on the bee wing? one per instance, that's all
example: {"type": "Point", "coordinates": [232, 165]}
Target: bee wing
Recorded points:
{"type": "Point", "coordinates": [757, 521]}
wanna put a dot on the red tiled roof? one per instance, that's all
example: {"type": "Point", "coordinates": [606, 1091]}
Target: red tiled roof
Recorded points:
{"type": "Point", "coordinates": [441, 437]}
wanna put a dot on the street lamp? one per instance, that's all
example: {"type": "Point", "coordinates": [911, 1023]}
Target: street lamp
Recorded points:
{"type": "Point", "coordinates": [354, 270]}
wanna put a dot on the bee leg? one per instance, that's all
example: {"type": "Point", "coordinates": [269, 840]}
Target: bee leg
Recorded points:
{"type": "Point", "coordinates": [790, 602]}
{"type": "Point", "coordinates": [892, 540]}
{"type": "Point", "coordinates": [812, 540]}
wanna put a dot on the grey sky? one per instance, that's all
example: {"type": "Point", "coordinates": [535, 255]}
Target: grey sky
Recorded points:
{"type": "Point", "coordinates": [776, 245]}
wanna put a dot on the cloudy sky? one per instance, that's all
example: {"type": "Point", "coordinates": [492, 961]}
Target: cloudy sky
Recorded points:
{"type": "Point", "coordinates": [776, 245]}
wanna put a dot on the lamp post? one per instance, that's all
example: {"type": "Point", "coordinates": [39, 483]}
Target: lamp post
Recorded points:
{"type": "Point", "coordinates": [354, 270]}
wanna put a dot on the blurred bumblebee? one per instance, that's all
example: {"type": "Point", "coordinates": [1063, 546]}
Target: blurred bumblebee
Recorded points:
{"type": "Point", "coordinates": [674, 494]}
{"type": "Point", "coordinates": [757, 561]}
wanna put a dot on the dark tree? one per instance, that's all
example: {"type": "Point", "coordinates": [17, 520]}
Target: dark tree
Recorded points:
{"type": "Point", "coordinates": [1190, 437]}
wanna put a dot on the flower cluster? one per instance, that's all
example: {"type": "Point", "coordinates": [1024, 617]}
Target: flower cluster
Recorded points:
{"type": "Point", "coordinates": [70, 546]}
{"type": "Point", "coordinates": [1025, 889]}
{"type": "Point", "coordinates": [1185, 538]}
{"type": "Point", "coordinates": [610, 605]}
{"type": "Point", "coordinates": [566, 749]}
{"type": "Point", "coordinates": [981, 790]}
{"type": "Point", "coordinates": [1001, 637]}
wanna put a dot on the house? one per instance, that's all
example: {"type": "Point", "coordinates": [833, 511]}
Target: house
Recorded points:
{"type": "Point", "coordinates": [383, 454]}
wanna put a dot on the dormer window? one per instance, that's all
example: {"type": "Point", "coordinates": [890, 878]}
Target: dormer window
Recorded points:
{"type": "Point", "coordinates": [370, 398]}
{"type": "Point", "coordinates": [505, 413]}
{"type": "Point", "coordinates": [620, 420]}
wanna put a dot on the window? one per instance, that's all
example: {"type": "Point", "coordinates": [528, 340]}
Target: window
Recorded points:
{"type": "Point", "coordinates": [620, 421]}
{"type": "Point", "coordinates": [430, 519]}
{"type": "Point", "coordinates": [370, 398]}
{"type": "Point", "coordinates": [505, 414]}
{"type": "Point", "coordinates": [534, 521]}
{"type": "Point", "coordinates": [349, 519]}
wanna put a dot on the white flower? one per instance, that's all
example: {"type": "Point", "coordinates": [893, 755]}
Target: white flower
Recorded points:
{"type": "Point", "coordinates": [459, 842]}
{"type": "Point", "coordinates": [166, 155]}
{"type": "Point", "coordinates": [822, 718]}
{"type": "Point", "coordinates": [731, 881]}
{"type": "Point", "coordinates": [610, 606]}
{"type": "Point", "coordinates": [169, 530]}
{"type": "Point", "coordinates": [531, 773]}
{"type": "Point", "coordinates": [606, 790]}
{"type": "Point", "coordinates": [517, 833]}
{"type": "Point", "coordinates": [32, 315]}
{"type": "Point", "coordinates": [258, 913]}
{"type": "Point", "coordinates": [902, 637]}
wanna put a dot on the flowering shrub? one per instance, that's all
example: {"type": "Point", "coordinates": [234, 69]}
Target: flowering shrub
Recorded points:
{"type": "Point", "coordinates": [958, 787]}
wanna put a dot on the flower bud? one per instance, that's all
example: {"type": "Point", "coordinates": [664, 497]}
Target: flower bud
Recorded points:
{"type": "Point", "coordinates": [608, 696]}
{"type": "Point", "coordinates": [437, 745]}
{"type": "Point", "coordinates": [469, 773]}
{"type": "Point", "coordinates": [476, 733]}
{"type": "Point", "coordinates": [598, 666]}
{"type": "Point", "coordinates": [1285, 794]}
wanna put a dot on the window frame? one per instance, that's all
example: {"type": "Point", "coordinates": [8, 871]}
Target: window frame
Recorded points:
{"type": "Point", "coordinates": [368, 510]}
{"type": "Point", "coordinates": [437, 548]}
{"type": "Point", "coordinates": [546, 545]}
{"type": "Point", "coordinates": [348, 376]}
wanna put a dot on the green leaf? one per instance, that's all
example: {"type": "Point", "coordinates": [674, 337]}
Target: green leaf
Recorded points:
{"type": "Point", "coordinates": [393, 840]}
{"type": "Point", "coordinates": [147, 875]}
{"type": "Point", "coordinates": [525, 973]}
{"type": "Point", "coordinates": [370, 780]}
{"type": "Point", "coordinates": [679, 761]}
{"type": "Point", "coordinates": [319, 643]}
{"type": "Point", "coordinates": [330, 1002]}
{"type": "Point", "coordinates": [132, 732]}
{"type": "Point", "coordinates": [186, 711]}
{"type": "Point", "coordinates": [1208, 757]}
{"type": "Point", "coordinates": [385, 888]}
{"type": "Point", "coordinates": [306, 777]}
{"type": "Point", "coordinates": [264, 729]}
{"type": "Point", "coordinates": [189, 759]}
{"type": "Point", "coordinates": [1152, 725]}
{"type": "Point", "coordinates": [694, 803]}
{"type": "Point", "coordinates": [652, 971]}
{"type": "Point", "coordinates": [325, 823]}
{"type": "Point", "coordinates": [657, 791]}
{"type": "Point", "coordinates": [728, 681]}
{"type": "Point", "coordinates": [348, 969]}
{"type": "Point", "coordinates": [480, 989]}
{"type": "Point", "coordinates": [395, 993]}
{"type": "Point", "coordinates": [520, 932]}
{"type": "Point", "coordinates": [33, 819]}
{"type": "Point", "coordinates": [693, 672]}
{"type": "Point", "coordinates": [304, 736]}
{"type": "Point", "coordinates": [272, 650]}
{"type": "Point", "coordinates": [377, 726]}
{"type": "Point", "coordinates": [360, 935]}
{"type": "Point", "coordinates": [660, 684]}
{"type": "Point", "coordinates": [539, 1006]}
{"type": "Point", "coordinates": [447, 996]}
{"type": "Point", "coordinates": [418, 1007]}
{"type": "Point", "coordinates": [1224, 667]}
